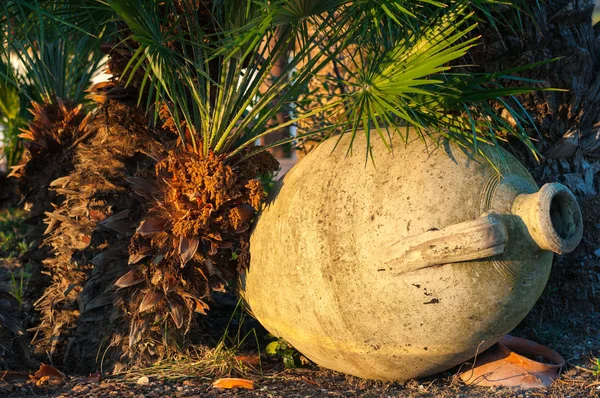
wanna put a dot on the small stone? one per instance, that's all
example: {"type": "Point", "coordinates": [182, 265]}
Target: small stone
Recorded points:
{"type": "Point", "coordinates": [143, 380]}
{"type": "Point", "coordinates": [80, 388]}
{"type": "Point", "coordinates": [597, 252]}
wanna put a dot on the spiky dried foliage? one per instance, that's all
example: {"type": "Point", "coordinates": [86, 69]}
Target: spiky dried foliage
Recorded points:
{"type": "Point", "coordinates": [193, 241]}
{"type": "Point", "coordinates": [89, 233]}
{"type": "Point", "coordinates": [48, 142]}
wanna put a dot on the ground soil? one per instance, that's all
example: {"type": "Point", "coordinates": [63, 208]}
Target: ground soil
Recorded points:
{"type": "Point", "coordinates": [576, 382]}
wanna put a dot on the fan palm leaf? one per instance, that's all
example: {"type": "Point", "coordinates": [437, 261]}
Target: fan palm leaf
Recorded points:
{"type": "Point", "coordinates": [213, 80]}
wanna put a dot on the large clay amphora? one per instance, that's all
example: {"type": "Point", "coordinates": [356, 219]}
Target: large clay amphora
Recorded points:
{"type": "Point", "coordinates": [407, 266]}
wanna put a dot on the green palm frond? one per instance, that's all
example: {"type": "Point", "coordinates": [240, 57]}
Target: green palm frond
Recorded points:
{"type": "Point", "coordinates": [53, 61]}
{"type": "Point", "coordinates": [414, 84]}
{"type": "Point", "coordinates": [215, 81]}
{"type": "Point", "coordinates": [89, 17]}
{"type": "Point", "coordinates": [9, 96]}
{"type": "Point", "coordinates": [13, 113]}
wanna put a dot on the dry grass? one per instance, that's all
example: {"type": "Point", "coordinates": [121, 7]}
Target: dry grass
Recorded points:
{"type": "Point", "coordinates": [204, 362]}
{"type": "Point", "coordinates": [201, 363]}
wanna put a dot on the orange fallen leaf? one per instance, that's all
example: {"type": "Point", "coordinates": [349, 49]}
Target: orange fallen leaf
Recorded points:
{"type": "Point", "coordinates": [231, 382]}
{"type": "Point", "coordinates": [248, 360]}
{"type": "Point", "coordinates": [48, 381]}
{"type": "Point", "coordinates": [42, 381]}
{"type": "Point", "coordinates": [47, 374]}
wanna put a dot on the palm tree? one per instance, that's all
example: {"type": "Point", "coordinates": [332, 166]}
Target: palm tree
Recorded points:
{"type": "Point", "coordinates": [160, 201]}
{"type": "Point", "coordinates": [45, 72]}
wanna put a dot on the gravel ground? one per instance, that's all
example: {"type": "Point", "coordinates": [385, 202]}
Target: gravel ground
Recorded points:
{"type": "Point", "coordinates": [575, 381]}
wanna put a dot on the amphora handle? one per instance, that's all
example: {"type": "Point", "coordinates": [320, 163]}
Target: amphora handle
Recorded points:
{"type": "Point", "coordinates": [550, 216]}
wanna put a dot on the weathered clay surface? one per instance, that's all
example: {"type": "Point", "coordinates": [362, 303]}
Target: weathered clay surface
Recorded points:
{"type": "Point", "coordinates": [406, 267]}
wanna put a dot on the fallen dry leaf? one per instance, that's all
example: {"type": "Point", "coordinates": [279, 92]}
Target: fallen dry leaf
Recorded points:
{"type": "Point", "coordinates": [309, 381]}
{"type": "Point", "coordinates": [143, 380]}
{"type": "Point", "coordinates": [248, 360]}
{"type": "Point", "coordinates": [231, 382]}
{"type": "Point", "coordinates": [42, 381]}
{"type": "Point", "coordinates": [48, 372]}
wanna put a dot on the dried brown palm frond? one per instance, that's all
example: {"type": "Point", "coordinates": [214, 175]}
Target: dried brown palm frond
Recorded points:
{"type": "Point", "coordinates": [192, 242]}
{"type": "Point", "coordinates": [48, 143]}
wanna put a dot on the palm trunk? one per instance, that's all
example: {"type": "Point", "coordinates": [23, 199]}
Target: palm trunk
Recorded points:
{"type": "Point", "coordinates": [88, 236]}
{"type": "Point", "coordinates": [569, 131]}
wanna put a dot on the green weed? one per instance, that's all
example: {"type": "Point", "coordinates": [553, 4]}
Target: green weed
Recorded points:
{"type": "Point", "coordinates": [281, 348]}
{"type": "Point", "coordinates": [17, 288]}
{"type": "Point", "coordinates": [596, 367]}
{"type": "Point", "coordinates": [13, 245]}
